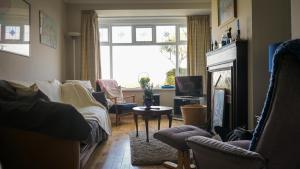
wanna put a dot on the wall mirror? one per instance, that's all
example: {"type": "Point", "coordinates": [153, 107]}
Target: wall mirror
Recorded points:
{"type": "Point", "coordinates": [15, 27]}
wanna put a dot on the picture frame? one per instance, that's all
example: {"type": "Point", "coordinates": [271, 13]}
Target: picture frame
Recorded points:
{"type": "Point", "coordinates": [48, 30]}
{"type": "Point", "coordinates": [218, 106]}
{"type": "Point", "coordinates": [226, 11]}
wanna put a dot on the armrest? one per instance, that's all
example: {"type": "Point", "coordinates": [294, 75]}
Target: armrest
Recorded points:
{"type": "Point", "coordinates": [132, 96]}
{"type": "Point", "coordinates": [212, 154]}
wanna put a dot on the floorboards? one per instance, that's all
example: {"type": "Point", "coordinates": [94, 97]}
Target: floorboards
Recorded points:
{"type": "Point", "coordinates": [115, 152]}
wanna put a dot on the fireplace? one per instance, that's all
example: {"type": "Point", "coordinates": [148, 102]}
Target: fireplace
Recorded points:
{"type": "Point", "coordinates": [227, 69]}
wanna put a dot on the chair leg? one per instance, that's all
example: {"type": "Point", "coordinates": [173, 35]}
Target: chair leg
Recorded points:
{"type": "Point", "coordinates": [180, 162]}
{"type": "Point", "coordinates": [117, 119]}
{"type": "Point", "coordinates": [184, 161]}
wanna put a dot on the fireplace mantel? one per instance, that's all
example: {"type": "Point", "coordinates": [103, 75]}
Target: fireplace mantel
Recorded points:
{"type": "Point", "coordinates": [227, 68]}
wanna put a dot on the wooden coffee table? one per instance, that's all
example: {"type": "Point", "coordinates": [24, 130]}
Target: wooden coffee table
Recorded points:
{"type": "Point", "coordinates": [154, 111]}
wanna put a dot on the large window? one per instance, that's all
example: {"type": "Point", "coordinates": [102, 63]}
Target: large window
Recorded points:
{"type": "Point", "coordinates": [131, 48]}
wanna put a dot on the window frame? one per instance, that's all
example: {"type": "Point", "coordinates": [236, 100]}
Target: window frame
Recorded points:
{"type": "Point", "coordinates": [178, 23]}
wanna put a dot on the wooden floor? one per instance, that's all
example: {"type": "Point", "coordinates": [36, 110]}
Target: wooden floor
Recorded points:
{"type": "Point", "coordinates": [115, 152]}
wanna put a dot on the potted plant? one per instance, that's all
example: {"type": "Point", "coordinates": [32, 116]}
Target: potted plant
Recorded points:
{"type": "Point", "coordinates": [148, 91]}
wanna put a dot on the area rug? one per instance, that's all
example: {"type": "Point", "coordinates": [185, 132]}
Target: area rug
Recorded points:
{"type": "Point", "coordinates": [153, 153]}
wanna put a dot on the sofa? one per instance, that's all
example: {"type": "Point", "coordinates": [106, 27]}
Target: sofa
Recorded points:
{"type": "Point", "coordinates": [53, 125]}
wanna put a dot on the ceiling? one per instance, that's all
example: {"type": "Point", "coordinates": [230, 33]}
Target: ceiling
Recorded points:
{"type": "Point", "coordinates": [152, 12]}
{"type": "Point", "coordinates": [128, 8]}
{"type": "Point", "coordinates": [135, 1]}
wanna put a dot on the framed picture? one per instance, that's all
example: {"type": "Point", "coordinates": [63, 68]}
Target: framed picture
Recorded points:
{"type": "Point", "coordinates": [218, 106]}
{"type": "Point", "coordinates": [226, 11]}
{"type": "Point", "coordinates": [48, 30]}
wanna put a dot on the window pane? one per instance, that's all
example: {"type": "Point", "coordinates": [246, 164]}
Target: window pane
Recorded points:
{"type": "Point", "coordinates": [103, 34]}
{"type": "Point", "coordinates": [144, 34]}
{"type": "Point", "coordinates": [165, 34]}
{"type": "Point", "coordinates": [183, 33]}
{"type": "Point", "coordinates": [105, 62]}
{"type": "Point", "coordinates": [26, 33]}
{"type": "Point", "coordinates": [121, 34]}
{"type": "Point", "coordinates": [22, 49]}
{"type": "Point", "coordinates": [150, 59]}
{"type": "Point", "coordinates": [12, 32]}
{"type": "Point", "coordinates": [182, 60]}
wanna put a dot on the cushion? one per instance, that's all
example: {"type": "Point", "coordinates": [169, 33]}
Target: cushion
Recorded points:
{"type": "Point", "coordinates": [176, 136]}
{"type": "Point", "coordinates": [86, 83]}
{"type": "Point", "coordinates": [24, 88]}
{"type": "Point", "coordinates": [122, 108]}
{"type": "Point", "coordinates": [51, 88]}
{"type": "Point", "coordinates": [7, 92]}
{"type": "Point", "coordinates": [100, 97]}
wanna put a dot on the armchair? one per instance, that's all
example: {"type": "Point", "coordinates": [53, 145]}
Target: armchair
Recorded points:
{"type": "Point", "coordinates": [276, 137]}
{"type": "Point", "coordinates": [117, 103]}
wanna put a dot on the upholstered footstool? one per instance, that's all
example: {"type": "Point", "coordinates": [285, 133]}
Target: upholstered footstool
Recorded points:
{"type": "Point", "coordinates": [176, 137]}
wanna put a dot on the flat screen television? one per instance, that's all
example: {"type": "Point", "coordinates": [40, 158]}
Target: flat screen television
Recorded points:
{"type": "Point", "coordinates": [189, 86]}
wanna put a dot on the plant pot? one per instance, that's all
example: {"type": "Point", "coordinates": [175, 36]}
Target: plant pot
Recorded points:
{"type": "Point", "coordinates": [148, 103]}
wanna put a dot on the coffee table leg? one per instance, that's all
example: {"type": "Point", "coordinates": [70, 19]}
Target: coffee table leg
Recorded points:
{"type": "Point", "coordinates": [159, 117]}
{"type": "Point", "coordinates": [136, 125]}
{"type": "Point", "coordinates": [147, 132]}
{"type": "Point", "coordinates": [170, 117]}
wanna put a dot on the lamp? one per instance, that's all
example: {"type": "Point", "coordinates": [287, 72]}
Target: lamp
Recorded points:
{"type": "Point", "coordinates": [272, 49]}
{"type": "Point", "coordinates": [74, 35]}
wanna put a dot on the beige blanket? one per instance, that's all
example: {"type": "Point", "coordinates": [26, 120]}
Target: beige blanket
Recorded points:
{"type": "Point", "coordinates": [79, 97]}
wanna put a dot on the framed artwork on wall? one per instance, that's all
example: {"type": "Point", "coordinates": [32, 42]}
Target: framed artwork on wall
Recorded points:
{"type": "Point", "coordinates": [226, 11]}
{"type": "Point", "coordinates": [48, 30]}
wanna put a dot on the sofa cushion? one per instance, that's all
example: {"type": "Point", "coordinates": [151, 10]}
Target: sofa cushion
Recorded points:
{"type": "Point", "coordinates": [122, 108]}
{"type": "Point", "coordinates": [85, 83]}
{"type": "Point", "coordinates": [176, 136]}
{"type": "Point", "coordinates": [24, 88]}
{"type": "Point", "coordinates": [51, 88]}
{"type": "Point", "coordinates": [7, 92]}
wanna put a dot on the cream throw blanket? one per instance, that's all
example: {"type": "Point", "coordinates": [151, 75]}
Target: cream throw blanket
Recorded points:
{"type": "Point", "coordinates": [79, 97]}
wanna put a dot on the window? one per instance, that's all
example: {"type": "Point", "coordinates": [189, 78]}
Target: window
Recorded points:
{"type": "Point", "coordinates": [143, 34]}
{"type": "Point", "coordinates": [121, 34]}
{"type": "Point", "coordinates": [183, 33]}
{"type": "Point", "coordinates": [103, 34]}
{"type": "Point", "coordinates": [165, 34]}
{"type": "Point", "coordinates": [26, 33]}
{"type": "Point", "coordinates": [12, 32]}
{"type": "Point", "coordinates": [157, 49]}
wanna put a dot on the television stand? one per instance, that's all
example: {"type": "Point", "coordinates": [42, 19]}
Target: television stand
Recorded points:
{"type": "Point", "coordinates": [184, 100]}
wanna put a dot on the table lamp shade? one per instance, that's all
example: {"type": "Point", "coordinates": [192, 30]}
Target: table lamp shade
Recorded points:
{"type": "Point", "coordinates": [272, 49]}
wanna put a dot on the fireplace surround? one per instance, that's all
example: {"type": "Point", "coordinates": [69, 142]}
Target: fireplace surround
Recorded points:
{"type": "Point", "coordinates": [227, 69]}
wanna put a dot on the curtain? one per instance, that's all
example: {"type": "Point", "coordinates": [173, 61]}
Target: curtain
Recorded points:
{"type": "Point", "coordinates": [90, 46]}
{"type": "Point", "coordinates": [198, 30]}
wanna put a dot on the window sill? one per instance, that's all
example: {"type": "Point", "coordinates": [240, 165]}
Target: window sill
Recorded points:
{"type": "Point", "coordinates": [141, 90]}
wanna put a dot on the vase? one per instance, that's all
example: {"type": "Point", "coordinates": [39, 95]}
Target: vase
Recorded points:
{"type": "Point", "coordinates": [148, 103]}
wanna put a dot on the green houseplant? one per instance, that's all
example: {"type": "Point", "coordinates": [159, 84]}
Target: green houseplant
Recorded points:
{"type": "Point", "coordinates": [148, 91]}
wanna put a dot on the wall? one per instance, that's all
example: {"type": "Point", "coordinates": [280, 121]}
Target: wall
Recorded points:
{"type": "Point", "coordinates": [268, 26]}
{"type": "Point", "coordinates": [261, 24]}
{"type": "Point", "coordinates": [45, 63]}
{"type": "Point", "coordinates": [166, 96]}
{"type": "Point", "coordinates": [295, 13]}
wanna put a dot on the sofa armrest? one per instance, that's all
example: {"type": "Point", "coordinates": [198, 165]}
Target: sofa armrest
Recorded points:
{"type": "Point", "coordinates": [212, 154]}
{"type": "Point", "coordinates": [25, 149]}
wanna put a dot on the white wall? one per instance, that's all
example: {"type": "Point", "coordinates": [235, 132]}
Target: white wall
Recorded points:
{"type": "Point", "coordinates": [295, 18]}
{"type": "Point", "coordinates": [45, 63]}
